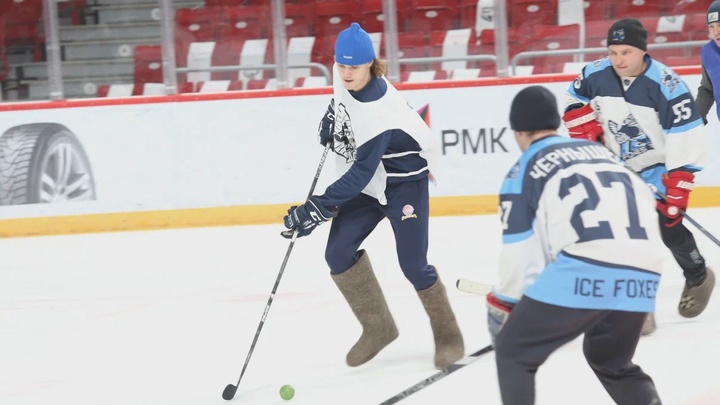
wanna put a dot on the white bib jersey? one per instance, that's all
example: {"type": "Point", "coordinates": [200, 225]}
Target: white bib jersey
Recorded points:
{"type": "Point", "coordinates": [652, 122]}
{"type": "Point", "coordinates": [579, 230]}
{"type": "Point", "coordinates": [358, 122]}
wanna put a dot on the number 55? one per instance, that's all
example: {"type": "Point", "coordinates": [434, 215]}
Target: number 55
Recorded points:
{"type": "Point", "coordinates": [681, 111]}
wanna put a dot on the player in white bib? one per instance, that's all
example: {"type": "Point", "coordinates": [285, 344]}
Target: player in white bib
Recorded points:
{"type": "Point", "coordinates": [385, 157]}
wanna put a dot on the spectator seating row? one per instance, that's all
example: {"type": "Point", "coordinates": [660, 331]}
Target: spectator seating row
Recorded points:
{"type": "Point", "coordinates": [326, 18]}
{"type": "Point", "coordinates": [456, 43]}
{"type": "Point", "coordinates": [318, 18]}
{"type": "Point", "coordinates": [23, 19]}
{"type": "Point", "coordinates": [452, 43]}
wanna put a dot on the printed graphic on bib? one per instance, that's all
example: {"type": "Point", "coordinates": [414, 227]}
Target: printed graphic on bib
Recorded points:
{"type": "Point", "coordinates": [344, 136]}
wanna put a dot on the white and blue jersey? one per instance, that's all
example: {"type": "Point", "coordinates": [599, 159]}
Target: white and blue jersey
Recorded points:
{"type": "Point", "coordinates": [379, 140]}
{"type": "Point", "coordinates": [651, 122]}
{"type": "Point", "coordinates": [579, 230]}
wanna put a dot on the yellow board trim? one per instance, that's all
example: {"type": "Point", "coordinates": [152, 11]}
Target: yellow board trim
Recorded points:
{"type": "Point", "coordinates": [243, 215]}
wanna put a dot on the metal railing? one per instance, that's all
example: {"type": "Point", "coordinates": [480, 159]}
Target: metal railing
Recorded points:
{"type": "Point", "coordinates": [319, 66]}
{"type": "Point", "coordinates": [579, 51]}
{"type": "Point", "coordinates": [435, 59]}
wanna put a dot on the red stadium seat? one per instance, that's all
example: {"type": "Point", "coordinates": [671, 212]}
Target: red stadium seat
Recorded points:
{"type": "Point", "coordinates": [262, 84]}
{"type": "Point", "coordinates": [196, 24]}
{"type": "Point", "coordinates": [467, 13]}
{"type": "Point", "coordinates": [236, 85]}
{"type": "Point", "coordinates": [667, 29]}
{"type": "Point", "coordinates": [452, 43]}
{"type": "Point", "coordinates": [373, 18]}
{"type": "Point", "coordinates": [517, 41]}
{"type": "Point", "coordinates": [148, 64]}
{"type": "Point", "coordinates": [550, 38]}
{"type": "Point", "coordinates": [243, 22]}
{"type": "Point", "coordinates": [22, 21]}
{"type": "Point", "coordinates": [598, 10]}
{"type": "Point", "coordinates": [683, 60]}
{"type": "Point", "coordinates": [331, 17]}
{"type": "Point", "coordinates": [299, 20]}
{"type": "Point", "coordinates": [422, 76]}
{"type": "Point", "coordinates": [638, 9]}
{"type": "Point", "coordinates": [697, 26]}
{"type": "Point", "coordinates": [412, 45]}
{"type": "Point", "coordinates": [687, 7]}
{"type": "Point", "coordinates": [431, 15]}
{"type": "Point", "coordinates": [596, 37]}
{"type": "Point", "coordinates": [529, 13]}
{"type": "Point", "coordinates": [227, 53]}
{"type": "Point", "coordinates": [224, 3]}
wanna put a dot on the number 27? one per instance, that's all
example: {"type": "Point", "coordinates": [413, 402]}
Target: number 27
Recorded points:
{"type": "Point", "coordinates": [602, 230]}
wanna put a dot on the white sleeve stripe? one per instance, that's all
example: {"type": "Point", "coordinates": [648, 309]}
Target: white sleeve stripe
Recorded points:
{"type": "Point", "coordinates": [407, 174]}
{"type": "Point", "coordinates": [401, 154]}
{"type": "Point", "coordinates": [581, 120]}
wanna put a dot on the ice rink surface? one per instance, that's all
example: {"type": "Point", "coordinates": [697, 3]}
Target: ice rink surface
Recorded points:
{"type": "Point", "coordinates": [167, 317]}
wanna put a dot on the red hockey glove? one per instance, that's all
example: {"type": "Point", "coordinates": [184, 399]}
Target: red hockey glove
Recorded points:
{"type": "Point", "coordinates": [679, 184]}
{"type": "Point", "coordinates": [582, 123]}
{"type": "Point", "coordinates": [498, 312]}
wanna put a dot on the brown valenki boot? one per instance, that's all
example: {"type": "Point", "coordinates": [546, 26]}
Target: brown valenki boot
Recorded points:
{"type": "Point", "coordinates": [449, 345]}
{"type": "Point", "coordinates": [362, 291]}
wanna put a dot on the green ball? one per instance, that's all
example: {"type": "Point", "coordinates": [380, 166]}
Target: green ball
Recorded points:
{"type": "Point", "coordinates": [287, 392]}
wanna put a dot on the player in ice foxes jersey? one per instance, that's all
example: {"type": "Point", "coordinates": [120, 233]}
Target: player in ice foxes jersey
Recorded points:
{"type": "Point", "coordinates": [642, 111]}
{"type": "Point", "coordinates": [385, 156]}
{"type": "Point", "coordinates": [581, 254]}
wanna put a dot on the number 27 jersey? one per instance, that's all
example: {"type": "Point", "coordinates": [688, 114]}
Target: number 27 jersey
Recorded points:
{"type": "Point", "coordinates": [579, 230]}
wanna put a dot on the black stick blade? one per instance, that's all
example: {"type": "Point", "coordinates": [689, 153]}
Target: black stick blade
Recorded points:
{"type": "Point", "coordinates": [229, 392]}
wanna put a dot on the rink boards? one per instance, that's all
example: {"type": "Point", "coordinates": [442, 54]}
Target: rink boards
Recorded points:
{"type": "Point", "coordinates": [241, 158]}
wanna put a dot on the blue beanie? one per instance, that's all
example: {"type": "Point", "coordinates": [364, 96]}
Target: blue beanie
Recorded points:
{"type": "Point", "coordinates": [354, 46]}
{"type": "Point", "coordinates": [713, 13]}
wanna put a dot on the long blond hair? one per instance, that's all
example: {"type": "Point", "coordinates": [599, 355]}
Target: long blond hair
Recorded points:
{"type": "Point", "coordinates": [378, 67]}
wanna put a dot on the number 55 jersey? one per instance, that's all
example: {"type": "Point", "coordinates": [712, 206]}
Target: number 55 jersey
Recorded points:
{"type": "Point", "coordinates": [651, 121]}
{"type": "Point", "coordinates": [580, 230]}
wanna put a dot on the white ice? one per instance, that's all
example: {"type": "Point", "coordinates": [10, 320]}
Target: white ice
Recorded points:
{"type": "Point", "coordinates": [167, 317]}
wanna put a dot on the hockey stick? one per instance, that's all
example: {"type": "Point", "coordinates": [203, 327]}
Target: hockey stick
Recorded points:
{"type": "Point", "coordinates": [230, 390]}
{"type": "Point", "coordinates": [473, 287]}
{"type": "Point", "coordinates": [439, 375]}
{"type": "Point", "coordinates": [688, 217]}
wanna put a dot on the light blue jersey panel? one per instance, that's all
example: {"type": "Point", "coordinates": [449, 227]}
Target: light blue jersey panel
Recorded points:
{"type": "Point", "coordinates": [576, 282]}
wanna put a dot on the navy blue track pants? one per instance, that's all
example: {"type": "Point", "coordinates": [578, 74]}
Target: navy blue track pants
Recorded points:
{"type": "Point", "coordinates": [407, 210]}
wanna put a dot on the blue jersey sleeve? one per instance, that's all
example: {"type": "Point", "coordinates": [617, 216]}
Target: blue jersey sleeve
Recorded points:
{"type": "Point", "coordinates": [369, 157]}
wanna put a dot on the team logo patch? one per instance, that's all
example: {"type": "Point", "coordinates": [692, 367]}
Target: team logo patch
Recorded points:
{"type": "Point", "coordinates": [618, 35]}
{"type": "Point", "coordinates": [344, 137]}
{"type": "Point", "coordinates": [486, 14]}
{"type": "Point", "coordinates": [713, 17]}
{"type": "Point", "coordinates": [408, 212]}
{"type": "Point", "coordinates": [631, 138]}
{"type": "Point", "coordinates": [512, 174]}
{"type": "Point", "coordinates": [670, 79]}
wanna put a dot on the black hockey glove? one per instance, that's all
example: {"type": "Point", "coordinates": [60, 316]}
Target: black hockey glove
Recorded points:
{"type": "Point", "coordinates": [305, 218]}
{"type": "Point", "coordinates": [327, 125]}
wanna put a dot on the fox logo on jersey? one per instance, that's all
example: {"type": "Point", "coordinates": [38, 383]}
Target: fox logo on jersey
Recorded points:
{"type": "Point", "coordinates": [669, 79]}
{"type": "Point", "coordinates": [631, 138]}
{"type": "Point", "coordinates": [344, 136]}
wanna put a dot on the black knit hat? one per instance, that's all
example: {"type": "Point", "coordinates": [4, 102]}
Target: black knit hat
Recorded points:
{"type": "Point", "coordinates": [713, 13]}
{"type": "Point", "coordinates": [534, 108]}
{"type": "Point", "coordinates": [628, 31]}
